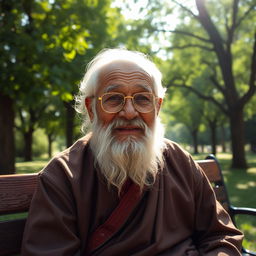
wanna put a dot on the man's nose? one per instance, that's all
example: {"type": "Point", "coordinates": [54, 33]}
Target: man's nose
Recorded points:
{"type": "Point", "coordinates": [128, 112]}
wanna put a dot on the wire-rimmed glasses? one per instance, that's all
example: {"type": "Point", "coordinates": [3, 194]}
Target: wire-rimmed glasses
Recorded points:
{"type": "Point", "coordinates": [113, 102]}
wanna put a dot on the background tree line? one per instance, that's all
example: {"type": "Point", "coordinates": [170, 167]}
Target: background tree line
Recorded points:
{"type": "Point", "coordinates": [208, 59]}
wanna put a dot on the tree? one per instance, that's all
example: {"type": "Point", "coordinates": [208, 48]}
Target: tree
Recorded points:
{"type": "Point", "coordinates": [213, 118]}
{"type": "Point", "coordinates": [7, 64]}
{"type": "Point", "coordinates": [44, 53]}
{"type": "Point", "coordinates": [223, 50]}
{"type": "Point", "coordinates": [227, 29]}
{"type": "Point", "coordinates": [187, 109]}
{"type": "Point", "coordinates": [51, 122]}
{"type": "Point", "coordinates": [28, 124]}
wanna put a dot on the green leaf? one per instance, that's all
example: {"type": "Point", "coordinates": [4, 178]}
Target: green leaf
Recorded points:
{"type": "Point", "coordinates": [70, 56]}
{"type": "Point", "coordinates": [66, 96]}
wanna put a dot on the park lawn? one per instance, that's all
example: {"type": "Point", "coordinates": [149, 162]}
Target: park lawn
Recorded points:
{"type": "Point", "coordinates": [30, 167]}
{"type": "Point", "coordinates": [241, 185]}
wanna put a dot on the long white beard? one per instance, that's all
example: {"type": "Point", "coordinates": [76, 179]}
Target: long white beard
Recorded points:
{"type": "Point", "coordinates": [137, 159]}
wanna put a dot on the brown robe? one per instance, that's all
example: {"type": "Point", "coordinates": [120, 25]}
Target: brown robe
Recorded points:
{"type": "Point", "coordinates": [177, 216]}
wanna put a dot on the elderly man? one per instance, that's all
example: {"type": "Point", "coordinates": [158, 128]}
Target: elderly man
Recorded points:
{"type": "Point", "coordinates": [123, 189]}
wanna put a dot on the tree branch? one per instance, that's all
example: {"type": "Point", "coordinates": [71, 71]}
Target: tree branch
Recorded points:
{"type": "Point", "coordinates": [190, 46]}
{"type": "Point", "coordinates": [186, 9]}
{"type": "Point", "coordinates": [253, 65]}
{"type": "Point", "coordinates": [224, 55]}
{"type": "Point", "coordinates": [217, 84]}
{"type": "Point", "coordinates": [226, 24]}
{"type": "Point", "coordinates": [22, 127]}
{"type": "Point", "coordinates": [208, 25]}
{"type": "Point", "coordinates": [231, 30]}
{"type": "Point", "coordinates": [252, 86]}
{"type": "Point", "coordinates": [213, 77]}
{"type": "Point", "coordinates": [245, 14]}
{"type": "Point", "coordinates": [234, 14]}
{"type": "Point", "coordinates": [41, 109]}
{"type": "Point", "coordinates": [200, 95]}
{"type": "Point", "coordinates": [185, 33]}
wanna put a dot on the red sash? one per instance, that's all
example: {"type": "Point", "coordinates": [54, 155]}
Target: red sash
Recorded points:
{"type": "Point", "coordinates": [130, 196]}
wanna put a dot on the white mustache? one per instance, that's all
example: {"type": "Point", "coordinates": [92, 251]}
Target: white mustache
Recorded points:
{"type": "Point", "coordinates": [121, 122]}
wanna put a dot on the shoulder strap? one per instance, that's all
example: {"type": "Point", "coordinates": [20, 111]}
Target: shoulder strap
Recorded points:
{"type": "Point", "coordinates": [118, 217]}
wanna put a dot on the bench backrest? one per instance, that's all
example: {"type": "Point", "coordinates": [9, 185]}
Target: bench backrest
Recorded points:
{"type": "Point", "coordinates": [213, 171]}
{"type": "Point", "coordinates": [16, 192]}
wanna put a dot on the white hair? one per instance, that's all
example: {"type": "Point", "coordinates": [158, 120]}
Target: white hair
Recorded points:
{"type": "Point", "coordinates": [89, 83]}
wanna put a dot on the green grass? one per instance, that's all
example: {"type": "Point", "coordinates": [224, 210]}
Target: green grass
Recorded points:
{"type": "Point", "coordinates": [30, 167]}
{"type": "Point", "coordinates": [241, 185]}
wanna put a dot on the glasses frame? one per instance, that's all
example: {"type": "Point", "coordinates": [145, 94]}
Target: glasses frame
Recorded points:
{"type": "Point", "coordinates": [124, 102]}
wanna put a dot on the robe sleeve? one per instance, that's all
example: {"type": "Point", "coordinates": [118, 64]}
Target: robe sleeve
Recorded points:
{"type": "Point", "coordinates": [215, 233]}
{"type": "Point", "coordinates": [51, 224]}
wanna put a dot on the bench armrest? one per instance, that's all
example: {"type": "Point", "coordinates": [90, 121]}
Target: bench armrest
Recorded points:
{"type": "Point", "coordinates": [243, 210]}
{"type": "Point", "coordinates": [246, 252]}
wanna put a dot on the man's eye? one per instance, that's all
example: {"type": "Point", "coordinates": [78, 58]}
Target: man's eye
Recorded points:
{"type": "Point", "coordinates": [113, 99]}
{"type": "Point", "coordinates": [141, 98]}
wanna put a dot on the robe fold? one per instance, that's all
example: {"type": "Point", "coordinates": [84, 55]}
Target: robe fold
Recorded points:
{"type": "Point", "coordinates": [177, 216]}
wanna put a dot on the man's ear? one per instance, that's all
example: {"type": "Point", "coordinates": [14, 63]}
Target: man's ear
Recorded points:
{"type": "Point", "coordinates": [88, 104]}
{"type": "Point", "coordinates": [159, 104]}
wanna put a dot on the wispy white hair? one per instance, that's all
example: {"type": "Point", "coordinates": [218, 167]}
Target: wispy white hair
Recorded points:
{"type": "Point", "coordinates": [89, 83]}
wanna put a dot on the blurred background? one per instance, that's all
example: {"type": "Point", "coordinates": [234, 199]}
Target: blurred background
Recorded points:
{"type": "Point", "coordinates": [206, 50]}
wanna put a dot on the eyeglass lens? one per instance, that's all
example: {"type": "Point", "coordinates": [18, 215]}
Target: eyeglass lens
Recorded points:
{"type": "Point", "coordinates": [114, 102]}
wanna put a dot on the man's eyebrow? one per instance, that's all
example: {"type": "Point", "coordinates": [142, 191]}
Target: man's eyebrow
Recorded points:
{"type": "Point", "coordinates": [111, 87]}
{"type": "Point", "coordinates": [117, 86]}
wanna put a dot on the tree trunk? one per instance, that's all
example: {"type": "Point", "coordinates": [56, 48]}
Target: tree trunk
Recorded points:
{"type": "Point", "coordinates": [195, 141]}
{"type": "Point", "coordinates": [70, 116]}
{"type": "Point", "coordinates": [28, 140]}
{"type": "Point", "coordinates": [50, 140]}
{"type": "Point", "coordinates": [7, 147]}
{"type": "Point", "coordinates": [213, 125]}
{"type": "Point", "coordinates": [223, 138]}
{"type": "Point", "coordinates": [237, 139]}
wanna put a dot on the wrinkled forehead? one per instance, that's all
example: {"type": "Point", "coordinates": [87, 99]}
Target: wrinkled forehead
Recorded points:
{"type": "Point", "coordinates": [124, 73]}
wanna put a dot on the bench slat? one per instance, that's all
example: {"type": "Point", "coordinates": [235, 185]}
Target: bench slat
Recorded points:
{"type": "Point", "coordinates": [211, 169]}
{"type": "Point", "coordinates": [213, 173]}
{"type": "Point", "coordinates": [16, 192]}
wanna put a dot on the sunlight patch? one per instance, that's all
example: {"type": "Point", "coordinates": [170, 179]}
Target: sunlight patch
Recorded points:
{"type": "Point", "coordinates": [246, 185]}
{"type": "Point", "coordinates": [251, 170]}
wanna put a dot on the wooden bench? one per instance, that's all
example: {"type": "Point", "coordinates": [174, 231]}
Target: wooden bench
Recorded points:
{"type": "Point", "coordinates": [16, 192]}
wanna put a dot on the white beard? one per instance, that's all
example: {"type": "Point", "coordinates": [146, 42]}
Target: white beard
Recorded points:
{"type": "Point", "coordinates": [137, 159]}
